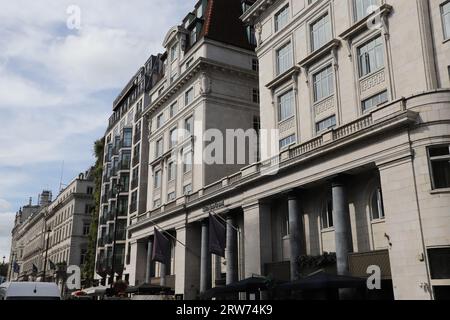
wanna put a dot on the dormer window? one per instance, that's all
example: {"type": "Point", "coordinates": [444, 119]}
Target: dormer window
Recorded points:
{"type": "Point", "coordinates": [193, 36]}
{"type": "Point", "coordinates": [173, 52]}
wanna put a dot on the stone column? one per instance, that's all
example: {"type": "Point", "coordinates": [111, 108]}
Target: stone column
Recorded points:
{"type": "Point", "coordinates": [257, 238]}
{"type": "Point", "coordinates": [295, 227]}
{"type": "Point", "coordinates": [205, 259]}
{"type": "Point", "coordinates": [342, 226]}
{"type": "Point", "coordinates": [231, 251]}
{"type": "Point", "coordinates": [149, 269]}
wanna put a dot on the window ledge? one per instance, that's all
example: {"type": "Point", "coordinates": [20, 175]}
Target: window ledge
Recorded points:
{"type": "Point", "coordinates": [327, 230]}
{"type": "Point", "coordinates": [284, 77]}
{"type": "Point", "coordinates": [440, 191]}
{"type": "Point", "coordinates": [319, 53]}
{"type": "Point", "coordinates": [361, 25]}
{"type": "Point", "coordinates": [378, 221]}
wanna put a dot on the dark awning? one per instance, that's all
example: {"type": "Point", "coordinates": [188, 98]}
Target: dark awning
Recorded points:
{"type": "Point", "coordinates": [251, 284]}
{"type": "Point", "coordinates": [323, 280]}
{"type": "Point", "coordinates": [147, 288]}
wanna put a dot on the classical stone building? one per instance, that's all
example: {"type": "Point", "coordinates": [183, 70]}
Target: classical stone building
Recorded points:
{"type": "Point", "coordinates": [61, 226]}
{"type": "Point", "coordinates": [359, 92]}
{"type": "Point", "coordinates": [206, 78]}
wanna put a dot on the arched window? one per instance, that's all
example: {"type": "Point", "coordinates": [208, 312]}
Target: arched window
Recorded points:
{"type": "Point", "coordinates": [376, 205]}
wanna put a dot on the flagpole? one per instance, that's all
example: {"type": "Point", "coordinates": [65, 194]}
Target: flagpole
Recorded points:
{"type": "Point", "coordinates": [164, 231]}
{"type": "Point", "coordinates": [217, 215]}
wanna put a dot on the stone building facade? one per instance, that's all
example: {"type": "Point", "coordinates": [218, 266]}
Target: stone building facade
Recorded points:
{"type": "Point", "coordinates": [359, 92]}
{"type": "Point", "coordinates": [205, 79]}
{"type": "Point", "coordinates": [57, 228]}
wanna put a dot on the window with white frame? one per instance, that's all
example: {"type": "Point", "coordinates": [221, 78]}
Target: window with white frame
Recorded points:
{"type": "Point", "coordinates": [375, 101]}
{"type": "Point", "coordinates": [171, 171]}
{"type": "Point", "coordinates": [157, 179]}
{"type": "Point", "coordinates": [187, 162]}
{"type": "Point", "coordinates": [188, 96]}
{"type": "Point", "coordinates": [284, 58]}
{"type": "Point", "coordinates": [363, 8]}
{"type": "Point", "coordinates": [323, 83]}
{"type": "Point", "coordinates": [173, 52]}
{"type": "Point", "coordinates": [287, 141]}
{"type": "Point", "coordinates": [439, 158]}
{"type": "Point", "coordinates": [159, 148]}
{"type": "Point", "coordinates": [376, 205]}
{"type": "Point", "coordinates": [445, 12]}
{"type": "Point", "coordinates": [320, 32]}
{"type": "Point", "coordinates": [173, 109]}
{"type": "Point", "coordinates": [173, 137]}
{"type": "Point", "coordinates": [326, 124]}
{"type": "Point", "coordinates": [159, 120]}
{"type": "Point", "coordinates": [371, 56]}
{"type": "Point", "coordinates": [327, 215]}
{"type": "Point", "coordinates": [281, 18]}
{"type": "Point", "coordinates": [286, 105]}
{"type": "Point", "coordinates": [189, 126]}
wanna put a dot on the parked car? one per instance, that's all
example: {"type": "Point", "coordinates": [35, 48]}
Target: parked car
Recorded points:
{"type": "Point", "coordinates": [29, 291]}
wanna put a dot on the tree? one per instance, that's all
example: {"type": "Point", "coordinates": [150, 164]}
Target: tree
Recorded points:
{"type": "Point", "coordinates": [89, 265]}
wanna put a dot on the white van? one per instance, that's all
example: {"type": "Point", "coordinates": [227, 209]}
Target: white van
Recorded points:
{"type": "Point", "coordinates": [29, 291]}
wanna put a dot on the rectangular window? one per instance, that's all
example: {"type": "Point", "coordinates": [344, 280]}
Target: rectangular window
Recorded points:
{"type": "Point", "coordinates": [171, 173]}
{"type": "Point", "coordinates": [255, 95]}
{"type": "Point", "coordinates": [159, 121]}
{"type": "Point", "coordinates": [86, 228]}
{"type": "Point", "coordinates": [323, 84]}
{"type": "Point", "coordinates": [171, 196]}
{"type": "Point", "coordinates": [281, 18]}
{"type": "Point", "coordinates": [173, 52]}
{"type": "Point", "coordinates": [287, 141]}
{"type": "Point", "coordinates": [286, 106]}
{"type": "Point", "coordinates": [363, 8]}
{"type": "Point", "coordinates": [127, 137]}
{"type": "Point", "coordinates": [255, 65]}
{"type": "Point", "coordinates": [440, 166]}
{"type": "Point", "coordinates": [439, 259]}
{"type": "Point", "coordinates": [157, 179]}
{"type": "Point", "coordinates": [90, 190]}
{"type": "Point", "coordinates": [371, 57]}
{"type": "Point", "coordinates": [189, 96]}
{"type": "Point", "coordinates": [327, 215]}
{"type": "Point", "coordinates": [173, 109]}
{"type": "Point", "coordinates": [320, 32]}
{"type": "Point", "coordinates": [325, 124]}
{"type": "Point", "coordinates": [445, 10]}
{"type": "Point", "coordinates": [187, 189]}
{"type": "Point", "coordinates": [189, 126]}
{"type": "Point", "coordinates": [159, 148]}
{"type": "Point", "coordinates": [284, 58]}
{"type": "Point", "coordinates": [251, 35]}
{"type": "Point", "coordinates": [133, 205]}
{"type": "Point", "coordinates": [187, 162]}
{"type": "Point", "coordinates": [173, 137]}
{"type": "Point", "coordinates": [374, 101]}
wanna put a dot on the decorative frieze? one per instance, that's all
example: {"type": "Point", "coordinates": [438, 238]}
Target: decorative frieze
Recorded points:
{"type": "Point", "coordinates": [372, 81]}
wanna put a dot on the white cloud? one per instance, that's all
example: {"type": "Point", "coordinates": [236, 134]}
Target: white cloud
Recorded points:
{"type": "Point", "coordinates": [57, 85]}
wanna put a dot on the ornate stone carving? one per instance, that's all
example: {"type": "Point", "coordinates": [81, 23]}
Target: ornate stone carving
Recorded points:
{"type": "Point", "coordinates": [205, 83]}
{"type": "Point", "coordinates": [324, 106]}
{"type": "Point", "coordinates": [372, 81]}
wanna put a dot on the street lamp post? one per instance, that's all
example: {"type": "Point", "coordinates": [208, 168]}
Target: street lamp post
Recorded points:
{"type": "Point", "coordinates": [46, 253]}
{"type": "Point", "coordinates": [113, 264]}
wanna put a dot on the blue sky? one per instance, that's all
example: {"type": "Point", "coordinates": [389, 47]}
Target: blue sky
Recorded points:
{"type": "Point", "coordinates": [57, 86]}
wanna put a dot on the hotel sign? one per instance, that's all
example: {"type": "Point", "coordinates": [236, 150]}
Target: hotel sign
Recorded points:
{"type": "Point", "coordinates": [214, 206]}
